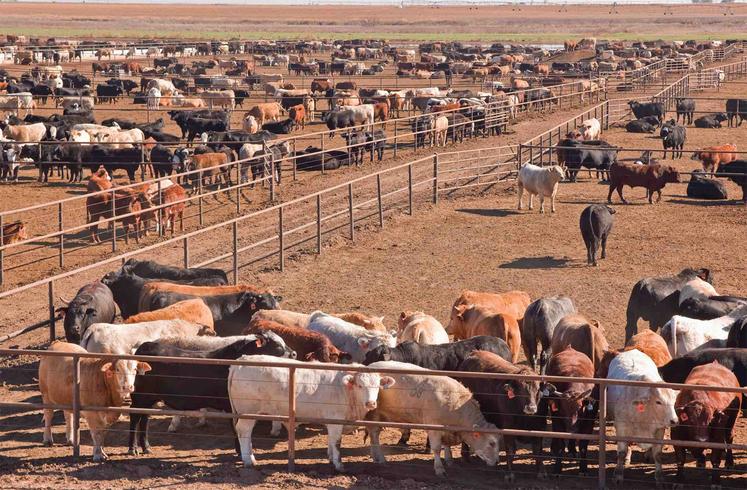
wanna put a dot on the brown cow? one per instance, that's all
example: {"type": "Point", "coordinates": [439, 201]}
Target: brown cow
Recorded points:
{"type": "Point", "coordinates": [14, 232]}
{"type": "Point", "coordinates": [571, 408]}
{"type": "Point", "coordinates": [297, 114]}
{"type": "Point", "coordinates": [372, 323]}
{"type": "Point", "coordinates": [349, 85]}
{"type": "Point", "coordinates": [381, 111]}
{"type": "Point", "coordinates": [542, 69]}
{"type": "Point", "coordinates": [513, 303]}
{"type": "Point", "coordinates": [98, 206]}
{"type": "Point", "coordinates": [191, 310]}
{"type": "Point", "coordinates": [309, 345]}
{"type": "Point", "coordinates": [211, 165]}
{"type": "Point", "coordinates": [711, 156]}
{"type": "Point", "coordinates": [472, 320]}
{"type": "Point", "coordinates": [583, 335]}
{"type": "Point", "coordinates": [652, 177]}
{"type": "Point", "coordinates": [570, 44]}
{"type": "Point", "coordinates": [396, 103]}
{"type": "Point", "coordinates": [651, 344]}
{"type": "Point", "coordinates": [707, 416]}
{"type": "Point", "coordinates": [320, 85]}
{"type": "Point", "coordinates": [173, 197]}
{"type": "Point", "coordinates": [129, 203]}
{"type": "Point", "coordinates": [446, 107]}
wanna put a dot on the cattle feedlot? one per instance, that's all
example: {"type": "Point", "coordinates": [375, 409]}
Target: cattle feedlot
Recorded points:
{"type": "Point", "coordinates": [375, 246]}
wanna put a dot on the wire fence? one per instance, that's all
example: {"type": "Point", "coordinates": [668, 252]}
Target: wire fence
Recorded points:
{"type": "Point", "coordinates": [291, 405]}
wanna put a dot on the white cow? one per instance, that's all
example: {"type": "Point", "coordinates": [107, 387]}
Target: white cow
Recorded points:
{"type": "Point", "coordinates": [421, 328]}
{"type": "Point", "coordinates": [684, 334]}
{"type": "Point", "coordinates": [165, 86]}
{"type": "Point", "coordinates": [439, 400]}
{"type": "Point", "coordinates": [348, 337]}
{"type": "Point", "coordinates": [331, 394]}
{"type": "Point", "coordinates": [122, 138]}
{"type": "Point", "coordinates": [696, 288]}
{"type": "Point", "coordinates": [365, 110]}
{"type": "Point", "coordinates": [154, 98]}
{"type": "Point", "coordinates": [440, 130]}
{"type": "Point", "coordinates": [638, 411]}
{"type": "Point", "coordinates": [542, 181]}
{"type": "Point", "coordinates": [591, 129]}
{"type": "Point", "coordinates": [249, 124]}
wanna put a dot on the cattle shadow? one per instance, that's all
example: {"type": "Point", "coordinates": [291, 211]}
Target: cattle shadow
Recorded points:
{"type": "Point", "coordinates": [546, 262]}
{"type": "Point", "coordinates": [491, 213]}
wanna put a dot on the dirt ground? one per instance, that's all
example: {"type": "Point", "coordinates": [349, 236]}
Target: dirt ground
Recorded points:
{"type": "Point", "coordinates": [543, 23]}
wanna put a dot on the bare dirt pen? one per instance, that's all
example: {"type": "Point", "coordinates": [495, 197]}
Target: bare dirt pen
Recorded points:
{"type": "Point", "coordinates": [473, 23]}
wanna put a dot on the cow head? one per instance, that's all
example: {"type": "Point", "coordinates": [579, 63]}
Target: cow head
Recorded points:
{"type": "Point", "coordinates": [456, 322]}
{"type": "Point", "coordinates": [567, 407]}
{"type": "Point", "coordinates": [483, 445]}
{"type": "Point", "coordinates": [696, 417]}
{"type": "Point", "coordinates": [120, 377]}
{"type": "Point", "coordinates": [379, 353]}
{"type": "Point", "coordinates": [524, 393]}
{"type": "Point", "coordinates": [670, 174]}
{"type": "Point", "coordinates": [556, 172]}
{"type": "Point", "coordinates": [363, 390]}
{"type": "Point", "coordinates": [656, 406]}
{"type": "Point", "coordinates": [78, 316]}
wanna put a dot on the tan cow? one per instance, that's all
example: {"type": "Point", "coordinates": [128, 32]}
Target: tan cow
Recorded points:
{"type": "Point", "coordinates": [267, 111]}
{"type": "Point", "coordinates": [372, 323]}
{"type": "Point", "coordinates": [513, 303]}
{"type": "Point", "coordinates": [472, 320]}
{"type": "Point", "coordinates": [283, 317]}
{"type": "Point", "coordinates": [420, 328]}
{"type": "Point", "coordinates": [582, 334]}
{"type": "Point", "coordinates": [191, 310]}
{"type": "Point", "coordinates": [102, 384]}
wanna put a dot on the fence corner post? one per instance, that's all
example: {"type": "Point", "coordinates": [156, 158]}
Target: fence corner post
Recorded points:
{"type": "Point", "coordinates": [291, 419]}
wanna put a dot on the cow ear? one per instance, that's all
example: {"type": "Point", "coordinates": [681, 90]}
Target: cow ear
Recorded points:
{"type": "Point", "coordinates": [143, 367]}
{"type": "Point", "coordinates": [402, 315]}
{"type": "Point", "coordinates": [476, 435]}
{"type": "Point", "coordinates": [278, 298]}
{"type": "Point", "coordinates": [682, 414]}
{"type": "Point", "coordinates": [309, 357]}
{"type": "Point", "coordinates": [348, 381]}
{"type": "Point", "coordinates": [259, 341]}
{"type": "Point", "coordinates": [363, 343]}
{"type": "Point", "coordinates": [61, 309]}
{"type": "Point", "coordinates": [387, 382]}
{"type": "Point", "coordinates": [509, 391]}
{"type": "Point", "coordinates": [108, 369]}
{"type": "Point", "coordinates": [90, 311]}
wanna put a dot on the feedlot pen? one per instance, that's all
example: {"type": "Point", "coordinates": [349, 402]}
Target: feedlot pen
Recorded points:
{"type": "Point", "coordinates": [473, 239]}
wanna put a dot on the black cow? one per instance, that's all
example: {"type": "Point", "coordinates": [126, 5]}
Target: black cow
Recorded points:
{"type": "Point", "coordinates": [596, 223]}
{"type": "Point", "coordinates": [239, 95]}
{"type": "Point", "coordinates": [673, 137]}
{"type": "Point", "coordinates": [738, 335]}
{"type": "Point", "coordinates": [593, 154]}
{"type": "Point", "coordinates": [443, 357]}
{"type": "Point", "coordinates": [686, 109]}
{"type": "Point", "coordinates": [42, 92]}
{"type": "Point", "coordinates": [279, 127]}
{"type": "Point", "coordinates": [126, 85]}
{"type": "Point", "coordinates": [640, 126]}
{"type": "Point", "coordinates": [162, 137]}
{"type": "Point", "coordinates": [149, 269]}
{"type": "Point", "coordinates": [376, 143]}
{"type": "Point", "coordinates": [312, 159]}
{"type": "Point", "coordinates": [703, 187]}
{"type": "Point", "coordinates": [736, 108]}
{"type": "Point", "coordinates": [162, 160]}
{"type": "Point", "coordinates": [74, 156]}
{"type": "Point", "coordinates": [183, 386]}
{"type": "Point", "coordinates": [711, 307]}
{"type": "Point", "coordinates": [181, 118]}
{"type": "Point", "coordinates": [643, 109]}
{"type": "Point", "coordinates": [198, 125]}
{"type": "Point", "coordinates": [109, 93]}
{"type": "Point", "coordinates": [356, 142]}
{"type": "Point", "coordinates": [230, 311]}
{"type": "Point", "coordinates": [113, 159]}
{"type": "Point", "coordinates": [339, 120]}
{"type": "Point", "coordinates": [656, 299]}
{"type": "Point", "coordinates": [735, 171]}
{"type": "Point", "coordinates": [156, 125]}
{"type": "Point", "coordinates": [93, 303]}
{"type": "Point", "coordinates": [122, 123]}
{"type": "Point", "coordinates": [711, 121]}
{"type": "Point", "coordinates": [652, 120]}
{"type": "Point", "coordinates": [422, 127]}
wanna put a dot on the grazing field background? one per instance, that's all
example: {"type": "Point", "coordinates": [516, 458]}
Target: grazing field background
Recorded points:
{"type": "Point", "coordinates": [541, 23]}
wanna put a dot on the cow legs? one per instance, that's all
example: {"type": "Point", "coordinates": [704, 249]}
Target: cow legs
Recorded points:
{"type": "Point", "coordinates": [557, 448]}
{"type": "Point", "coordinates": [583, 451]}
{"type": "Point", "coordinates": [510, 444]}
{"type": "Point", "coordinates": [604, 247]}
{"type": "Point", "coordinates": [609, 194]}
{"type": "Point", "coordinates": [275, 431]}
{"type": "Point", "coordinates": [658, 196]}
{"type": "Point", "coordinates": [656, 453]}
{"type": "Point", "coordinates": [623, 458]}
{"type": "Point", "coordinates": [69, 428]}
{"type": "Point", "coordinates": [435, 439]}
{"type": "Point", "coordinates": [620, 193]}
{"type": "Point", "coordinates": [542, 203]}
{"type": "Point", "coordinates": [174, 425]}
{"type": "Point", "coordinates": [244, 428]}
{"type": "Point", "coordinates": [531, 201]}
{"type": "Point", "coordinates": [47, 416]}
{"type": "Point", "coordinates": [715, 466]}
{"type": "Point", "coordinates": [377, 455]}
{"type": "Point", "coordinates": [521, 194]}
{"type": "Point", "coordinates": [334, 437]}
{"type": "Point", "coordinates": [404, 438]}
{"type": "Point", "coordinates": [98, 442]}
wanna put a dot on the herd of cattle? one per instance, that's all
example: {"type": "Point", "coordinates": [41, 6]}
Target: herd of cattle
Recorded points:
{"type": "Point", "coordinates": [192, 313]}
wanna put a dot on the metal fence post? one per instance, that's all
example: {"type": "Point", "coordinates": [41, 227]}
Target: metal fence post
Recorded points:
{"type": "Point", "coordinates": [113, 222]}
{"type": "Point", "coordinates": [319, 224]}
{"type": "Point", "coordinates": [395, 136]}
{"type": "Point", "coordinates": [281, 239]}
{"type": "Point", "coordinates": [602, 436]}
{"type": "Point", "coordinates": [238, 188]}
{"type": "Point", "coordinates": [435, 178]}
{"type": "Point", "coordinates": [159, 213]}
{"type": "Point", "coordinates": [76, 406]}
{"type": "Point", "coordinates": [379, 201]}
{"type": "Point", "coordinates": [62, 235]}
{"type": "Point", "coordinates": [50, 303]}
{"type": "Point", "coordinates": [186, 252]}
{"type": "Point", "coordinates": [272, 178]}
{"type": "Point", "coordinates": [199, 194]}
{"type": "Point", "coordinates": [409, 189]}
{"type": "Point", "coordinates": [350, 212]}
{"type": "Point", "coordinates": [291, 419]}
{"type": "Point", "coordinates": [235, 252]}
{"type": "Point", "coordinates": [322, 147]}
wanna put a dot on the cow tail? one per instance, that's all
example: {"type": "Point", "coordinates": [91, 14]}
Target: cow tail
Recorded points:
{"type": "Point", "coordinates": [590, 329]}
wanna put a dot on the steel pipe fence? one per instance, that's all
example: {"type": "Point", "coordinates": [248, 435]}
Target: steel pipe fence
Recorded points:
{"type": "Point", "coordinates": [598, 435]}
{"type": "Point", "coordinates": [301, 225]}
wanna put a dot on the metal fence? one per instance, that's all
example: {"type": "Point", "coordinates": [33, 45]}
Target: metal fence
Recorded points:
{"type": "Point", "coordinates": [600, 436]}
{"type": "Point", "coordinates": [265, 237]}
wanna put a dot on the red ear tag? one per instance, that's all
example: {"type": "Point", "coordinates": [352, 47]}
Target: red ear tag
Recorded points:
{"type": "Point", "coordinates": [683, 416]}
{"type": "Point", "coordinates": [640, 407]}
{"type": "Point", "coordinates": [259, 342]}
{"type": "Point", "coordinates": [511, 394]}
{"type": "Point", "coordinates": [553, 406]}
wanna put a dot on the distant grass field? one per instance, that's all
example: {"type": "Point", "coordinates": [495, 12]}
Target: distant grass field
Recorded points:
{"type": "Point", "coordinates": [128, 33]}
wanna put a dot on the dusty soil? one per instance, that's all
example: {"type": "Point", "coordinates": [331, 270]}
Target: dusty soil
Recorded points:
{"type": "Point", "coordinates": [510, 23]}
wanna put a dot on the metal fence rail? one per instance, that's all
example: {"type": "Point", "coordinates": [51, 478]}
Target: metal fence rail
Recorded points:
{"type": "Point", "coordinates": [600, 436]}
